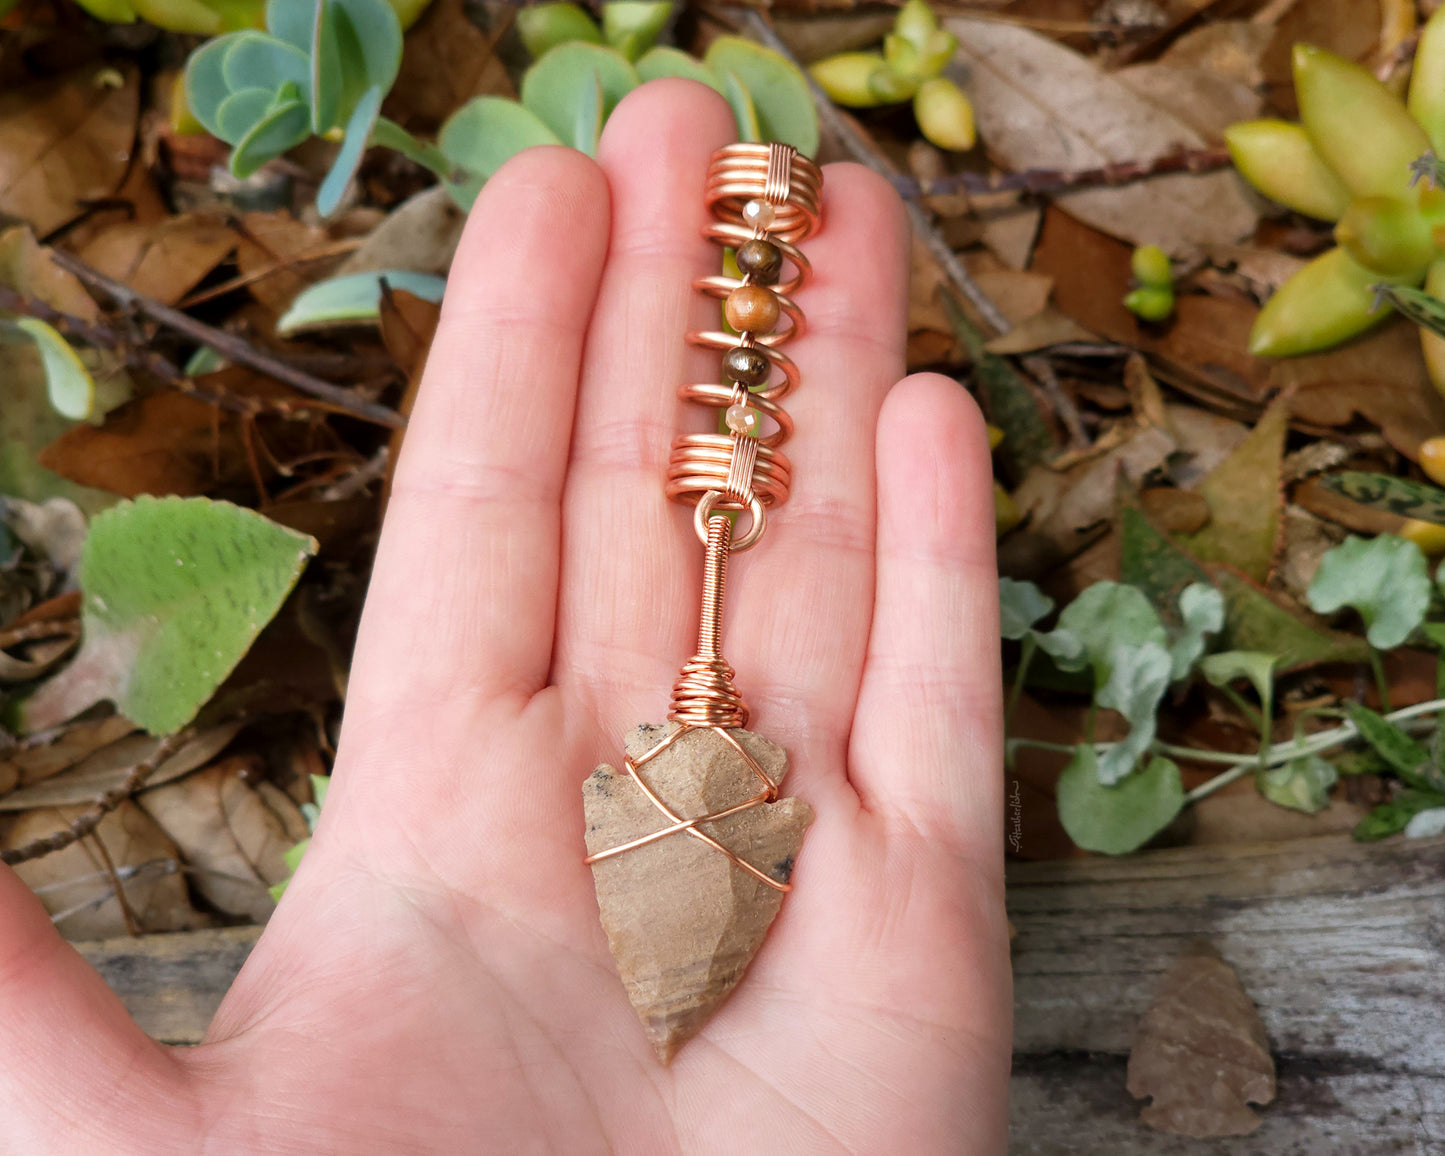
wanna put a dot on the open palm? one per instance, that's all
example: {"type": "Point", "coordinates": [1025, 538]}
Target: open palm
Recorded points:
{"type": "Point", "coordinates": [436, 979]}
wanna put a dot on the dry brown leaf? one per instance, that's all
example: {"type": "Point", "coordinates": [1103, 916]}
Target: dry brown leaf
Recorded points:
{"type": "Point", "coordinates": [65, 141]}
{"type": "Point", "coordinates": [1047, 327]}
{"type": "Point", "coordinates": [26, 267]}
{"type": "Point", "coordinates": [1240, 814]}
{"type": "Point", "coordinates": [1227, 48]}
{"type": "Point", "coordinates": [446, 60]}
{"type": "Point", "coordinates": [165, 260]}
{"type": "Point", "coordinates": [1205, 439]}
{"type": "Point", "coordinates": [282, 256]}
{"type": "Point", "coordinates": [1040, 105]}
{"type": "Point", "coordinates": [1348, 28]}
{"type": "Point", "coordinates": [420, 234]}
{"type": "Point", "coordinates": [233, 833]}
{"type": "Point", "coordinates": [1010, 235]}
{"type": "Point", "coordinates": [1175, 511]}
{"type": "Point", "coordinates": [75, 879]}
{"type": "Point", "coordinates": [30, 764]}
{"type": "Point", "coordinates": [1201, 1052]}
{"type": "Point", "coordinates": [1206, 101]}
{"type": "Point", "coordinates": [108, 767]}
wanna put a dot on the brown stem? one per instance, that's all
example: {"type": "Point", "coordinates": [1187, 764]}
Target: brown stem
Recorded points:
{"type": "Point", "coordinates": [228, 345]}
{"type": "Point", "coordinates": [105, 803]}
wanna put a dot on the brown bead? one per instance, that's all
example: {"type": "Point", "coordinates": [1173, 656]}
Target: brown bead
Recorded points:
{"type": "Point", "coordinates": [761, 260]}
{"type": "Point", "coordinates": [746, 366]}
{"type": "Point", "coordinates": [752, 309]}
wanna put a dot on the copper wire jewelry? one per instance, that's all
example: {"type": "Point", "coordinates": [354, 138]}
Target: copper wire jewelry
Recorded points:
{"type": "Point", "coordinates": [685, 918]}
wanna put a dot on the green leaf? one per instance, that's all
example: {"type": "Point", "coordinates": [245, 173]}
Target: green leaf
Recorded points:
{"type": "Point", "coordinates": [1021, 604]}
{"type": "Point", "coordinates": [348, 159]}
{"type": "Point", "coordinates": [328, 85]}
{"type": "Point", "coordinates": [241, 112]}
{"type": "Point", "coordinates": [292, 21]}
{"type": "Point", "coordinates": [1426, 824]}
{"type": "Point", "coordinates": [1300, 784]}
{"type": "Point", "coordinates": [175, 591]}
{"type": "Point", "coordinates": [1393, 817]}
{"type": "Point", "coordinates": [483, 135]}
{"type": "Point", "coordinates": [67, 380]}
{"type": "Point", "coordinates": [631, 26]}
{"type": "Point", "coordinates": [1107, 616]}
{"type": "Point", "coordinates": [660, 62]}
{"type": "Point", "coordinates": [744, 111]}
{"type": "Point", "coordinates": [544, 26]}
{"type": "Point", "coordinates": [1223, 668]}
{"type": "Point", "coordinates": [1406, 757]}
{"type": "Point", "coordinates": [353, 299]}
{"type": "Point", "coordinates": [1150, 561]}
{"type": "Point", "coordinates": [206, 87]}
{"type": "Point", "coordinates": [567, 80]}
{"type": "Point", "coordinates": [1255, 621]}
{"type": "Point", "coordinates": [255, 60]}
{"type": "Point", "coordinates": [1201, 607]}
{"type": "Point", "coordinates": [780, 92]}
{"type": "Point", "coordinates": [283, 128]}
{"type": "Point", "coordinates": [1422, 308]}
{"type": "Point", "coordinates": [1243, 493]}
{"type": "Point", "coordinates": [1435, 632]}
{"type": "Point", "coordinates": [1138, 677]}
{"type": "Point", "coordinates": [1401, 496]}
{"type": "Point", "coordinates": [369, 34]}
{"type": "Point", "coordinates": [1384, 578]}
{"type": "Point", "coordinates": [1119, 819]}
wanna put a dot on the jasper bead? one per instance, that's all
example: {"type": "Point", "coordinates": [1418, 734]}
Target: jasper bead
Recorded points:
{"type": "Point", "coordinates": [752, 309]}
{"type": "Point", "coordinates": [761, 260]}
{"type": "Point", "coordinates": [746, 366]}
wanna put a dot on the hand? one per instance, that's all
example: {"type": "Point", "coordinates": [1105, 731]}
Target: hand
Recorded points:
{"type": "Point", "coordinates": [436, 979]}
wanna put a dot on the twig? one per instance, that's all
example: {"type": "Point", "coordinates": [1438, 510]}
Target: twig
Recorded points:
{"type": "Point", "coordinates": [105, 803]}
{"type": "Point", "coordinates": [1042, 371]}
{"type": "Point", "coordinates": [228, 345]}
{"type": "Point", "coordinates": [1041, 182]}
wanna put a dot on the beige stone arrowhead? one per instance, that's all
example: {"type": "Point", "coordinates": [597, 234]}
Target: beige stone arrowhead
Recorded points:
{"type": "Point", "coordinates": [684, 921]}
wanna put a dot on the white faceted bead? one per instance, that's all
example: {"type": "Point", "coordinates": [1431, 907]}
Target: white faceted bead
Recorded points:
{"type": "Point", "coordinates": [743, 419]}
{"type": "Point", "coordinates": [759, 214]}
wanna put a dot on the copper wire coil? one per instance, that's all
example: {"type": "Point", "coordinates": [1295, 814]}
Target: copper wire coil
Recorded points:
{"type": "Point", "coordinates": [739, 173]}
{"type": "Point", "coordinates": [700, 464]}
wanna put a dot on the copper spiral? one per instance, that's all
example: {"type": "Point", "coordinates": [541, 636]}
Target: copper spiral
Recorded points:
{"type": "Point", "coordinates": [719, 471]}
{"type": "Point", "coordinates": [755, 193]}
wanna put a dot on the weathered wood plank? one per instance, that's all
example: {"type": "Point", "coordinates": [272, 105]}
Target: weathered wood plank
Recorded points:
{"type": "Point", "coordinates": [173, 984]}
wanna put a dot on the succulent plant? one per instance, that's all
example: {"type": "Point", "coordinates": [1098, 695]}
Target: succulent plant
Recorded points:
{"type": "Point", "coordinates": [1153, 298]}
{"type": "Point", "coordinates": [1356, 159]}
{"type": "Point", "coordinates": [209, 17]}
{"type": "Point", "coordinates": [910, 67]}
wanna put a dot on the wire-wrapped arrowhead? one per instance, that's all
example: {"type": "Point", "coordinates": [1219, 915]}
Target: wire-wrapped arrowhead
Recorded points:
{"type": "Point", "coordinates": [683, 920]}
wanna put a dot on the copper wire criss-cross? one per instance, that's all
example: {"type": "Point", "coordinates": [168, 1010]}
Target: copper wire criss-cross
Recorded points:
{"type": "Point", "coordinates": [765, 199]}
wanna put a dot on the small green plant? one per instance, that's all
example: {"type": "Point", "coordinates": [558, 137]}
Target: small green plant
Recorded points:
{"type": "Point", "coordinates": [1153, 297]}
{"type": "Point", "coordinates": [209, 17]}
{"type": "Point", "coordinates": [910, 67]}
{"type": "Point", "coordinates": [312, 813]}
{"type": "Point", "coordinates": [1356, 159]}
{"type": "Point", "coordinates": [1115, 796]}
{"type": "Point", "coordinates": [323, 68]}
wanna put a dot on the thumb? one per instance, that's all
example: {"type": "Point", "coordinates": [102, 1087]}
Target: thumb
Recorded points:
{"type": "Point", "coordinates": [76, 1072]}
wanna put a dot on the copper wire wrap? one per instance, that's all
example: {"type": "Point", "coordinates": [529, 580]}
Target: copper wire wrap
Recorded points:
{"type": "Point", "coordinates": [737, 471]}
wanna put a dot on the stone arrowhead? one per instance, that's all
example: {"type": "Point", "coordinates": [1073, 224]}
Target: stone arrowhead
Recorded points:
{"type": "Point", "coordinates": [684, 921]}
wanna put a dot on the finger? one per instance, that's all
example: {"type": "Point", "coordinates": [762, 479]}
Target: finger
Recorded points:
{"type": "Point", "coordinates": [630, 564]}
{"type": "Point", "coordinates": [798, 624]}
{"type": "Point", "coordinates": [64, 1035]}
{"type": "Point", "coordinates": [927, 746]}
{"type": "Point", "coordinates": [463, 594]}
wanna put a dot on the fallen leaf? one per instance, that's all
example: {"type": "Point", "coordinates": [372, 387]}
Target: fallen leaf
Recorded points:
{"type": "Point", "coordinates": [1227, 48]}
{"type": "Point", "coordinates": [1045, 328]}
{"type": "Point", "coordinates": [36, 761]}
{"type": "Point", "coordinates": [1201, 1052]}
{"type": "Point", "coordinates": [26, 267]}
{"type": "Point", "coordinates": [1175, 511]}
{"type": "Point", "coordinates": [165, 260]}
{"type": "Point", "coordinates": [421, 234]}
{"type": "Point", "coordinates": [1205, 440]}
{"type": "Point", "coordinates": [280, 256]}
{"type": "Point", "coordinates": [1041, 105]}
{"type": "Point", "coordinates": [1261, 620]}
{"type": "Point", "coordinates": [1010, 234]}
{"type": "Point", "coordinates": [233, 834]}
{"type": "Point", "coordinates": [74, 879]}
{"type": "Point", "coordinates": [1348, 28]}
{"type": "Point", "coordinates": [446, 60]}
{"type": "Point", "coordinates": [1199, 97]}
{"type": "Point", "coordinates": [64, 142]}
{"type": "Point", "coordinates": [1244, 497]}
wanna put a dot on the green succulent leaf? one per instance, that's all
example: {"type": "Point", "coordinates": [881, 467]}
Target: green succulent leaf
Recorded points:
{"type": "Point", "coordinates": [1021, 604]}
{"type": "Point", "coordinates": [256, 60]}
{"type": "Point", "coordinates": [114, 11]}
{"type": "Point", "coordinates": [1138, 679]}
{"type": "Point", "coordinates": [175, 591]}
{"type": "Point", "coordinates": [348, 159]}
{"type": "Point", "coordinates": [353, 299]}
{"type": "Point", "coordinates": [744, 111]}
{"type": "Point", "coordinates": [631, 26]}
{"type": "Point", "coordinates": [1277, 158]}
{"type": "Point", "coordinates": [1426, 99]}
{"type": "Point", "coordinates": [566, 85]}
{"type": "Point", "coordinates": [241, 112]}
{"type": "Point", "coordinates": [368, 35]}
{"type": "Point", "coordinates": [67, 380]}
{"type": "Point", "coordinates": [1202, 609]}
{"type": "Point", "coordinates": [328, 85]}
{"type": "Point", "coordinates": [293, 21]}
{"type": "Point", "coordinates": [189, 16]}
{"type": "Point", "coordinates": [1384, 578]}
{"type": "Point", "coordinates": [206, 88]}
{"type": "Point", "coordinates": [544, 26]}
{"type": "Point", "coordinates": [1119, 819]}
{"type": "Point", "coordinates": [663, 61]}
{"type": "Point", "coordinates": [1330, 300]}
{"type": "Point", "coordinates": [1393, 817]}
{"type": "Point", "coordinates": [1424, 503]}
{"type": "Point", "coordinates": [284, 126]}
{"type": "Point", "coordinates": [1301, 784]}
{"type": "Point", "coordinates": [780, 92]}
{"type": "Point", "coordinates": [483, 135]}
